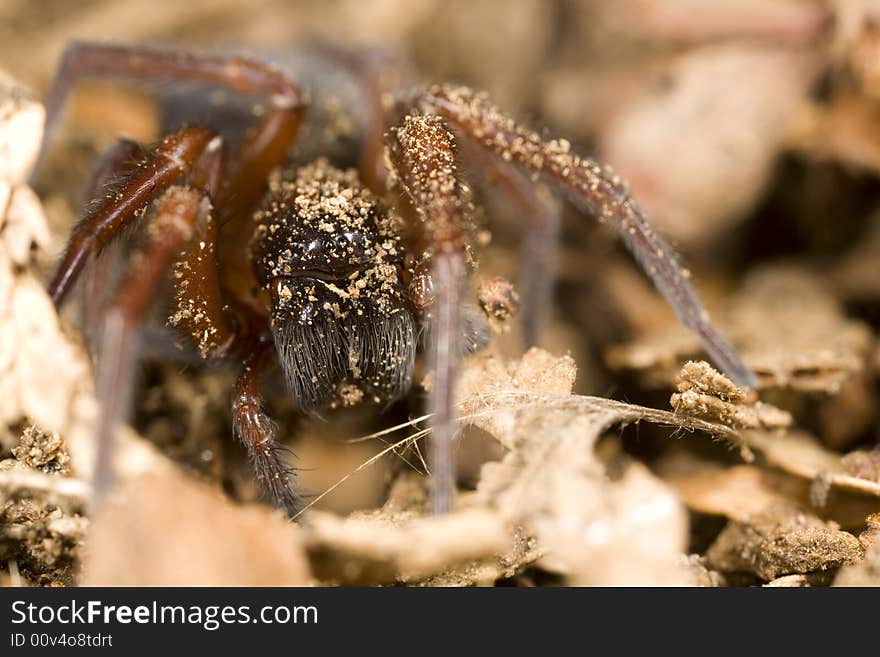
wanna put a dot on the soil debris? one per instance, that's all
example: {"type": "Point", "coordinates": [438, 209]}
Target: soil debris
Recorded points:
{"type": "Point", "coordinates": [782, 541]}
{"type": "Point", "coordinates": [871, 536]}
{"type": "Point", "coordinates": [771, 195]}
{"type": "Point", "coordinates": [862, 463]}
{"type": "Point", "coordinates": [41, 537]}
{"type": "Point", "coordinates": [705, 392]}
{"type": "Point", "coordinates": [42, 450]}
{"type": "Point", "coordinates": [499, 302]}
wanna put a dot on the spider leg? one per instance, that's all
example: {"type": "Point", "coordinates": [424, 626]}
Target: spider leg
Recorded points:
{"type": "Point", "coordinates": [257, 431]}
{"type": "Point", "coordinates": [89, 60]}
{"type": "Point", "coordinates": [263, 148]}
{"type": "Point", "coordinates": [115, 165]}
{"type": "Point", "coordinates": [171, 223]}
{"type": "Point", "coordinates": [213, 268]}
{"type": "Point", "coordinates": [380, 74]}
{"type": "Point", "coordinates": [199, 299]}
{"type": "Point", "coordinates": [422, 152]}
{"type": "Point", "coordinates": [171, 159]}
{"type": "Point", "coordinates": [119, 160]}
{"type": "Point", "coordinates": [448, 274]}
{"type": "Point", "coordinates": [594, 189]}
{"type": "Point", "coordinates": [542, 215]}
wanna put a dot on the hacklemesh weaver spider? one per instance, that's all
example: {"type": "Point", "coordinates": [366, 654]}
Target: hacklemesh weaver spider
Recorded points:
{"type": "Point", "coordinates": [277, 251]}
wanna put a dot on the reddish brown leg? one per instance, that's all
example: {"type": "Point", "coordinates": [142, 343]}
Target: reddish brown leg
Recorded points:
{"type": "Point", "coordinates": [171, 223]}
{"type": "Point", "coordinates": [89, 60]}
{"type": "Point", "coordinates": [423, 153]}
{"type": "Point", "coordinates": [257, 431]}
{"type": "Point", "coordinates": [118, 162]}
{"type": "Point", "coordinates": [200, 306]}
{"type": "Point", "coordinates": [380, 75]}
{"type": "Point", "coordinates": [596, 190]}
{"type": "Point", "coordinates": [116, 165]}
{"type": "Point", "coordinates": [173, 157]}
{"type": "Point", "coordinates": [263, 148]}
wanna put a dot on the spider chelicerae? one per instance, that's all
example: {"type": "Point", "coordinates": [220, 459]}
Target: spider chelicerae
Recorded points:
{"type": "Point", "coordinates": [324, 231]}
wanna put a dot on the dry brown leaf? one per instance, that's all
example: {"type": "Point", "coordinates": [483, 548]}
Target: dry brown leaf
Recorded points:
{"type": "Point", "coordinates": [736, 492]}
{"type": "Point", "coordinates": [589, 528]}
{"type": "Point", "coordinates": [21, 128]}
{"type": "Point", "coordinates": [383, 548]}
{"type": "Point", "coordinates": [401, 542]}
{"type": "Point", "coordinates": [793, 333]}
{"type": "Point", "coordinates": [802, 455]}
{"type": "Point", "coordinates": [740, 491]}
{"type": "Point", "coordinates": [550, 485]}
{"type": "Point", "coordinates": [786, 324]}
{"type": "Point", "coordinates": [170, 530]}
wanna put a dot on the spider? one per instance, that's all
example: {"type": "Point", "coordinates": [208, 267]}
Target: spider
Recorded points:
{"type": "Point", "coordinates": [277, 250]}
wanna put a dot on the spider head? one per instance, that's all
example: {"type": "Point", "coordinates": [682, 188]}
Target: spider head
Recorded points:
{"type": "Point", "coordinates": [329, 255]}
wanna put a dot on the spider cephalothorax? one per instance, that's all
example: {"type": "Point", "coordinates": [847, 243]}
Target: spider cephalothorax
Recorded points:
{"type": "Point", "coordinates": [331, 256]}
{"type": "Point", "coordinates": [304, 263]}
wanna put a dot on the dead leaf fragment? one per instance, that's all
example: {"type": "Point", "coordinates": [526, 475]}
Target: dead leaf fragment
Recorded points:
{"type": "Point", "coordinates": [21, 128]}
{"type": "Point", "coordinates": [787, 326]}
{"type": "Point", "coordinates": [383, 548]}
{"type": "Point", "coordinates": [170, 530]}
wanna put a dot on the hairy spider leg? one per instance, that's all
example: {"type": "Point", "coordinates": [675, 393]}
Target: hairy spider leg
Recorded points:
{"type": "Point", "coordinates": [594, 189]}
{"type": "Point", "coordinates": [118, 161]}
{"type": "Point", "coordinates": [264, 147]}
{"type": "Point", "coordinates": [196, 280]}
{"type": "Point", "coordinates": [103, 60]}
{"type": "Point", "coordinates": [169, 226]}
{"type": "Point", "coordinates": [423, 153]}
{"type": "Point", "coordinates": [257, 431]}
{"type": "Point", "coordinates": [199, 300]}
{"type": "Point", "coordinates": [174, 156]}
{"type": "Point", "coordinates": [175, 218]}
{"type": "Point", "coordinates": [114, 166]}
